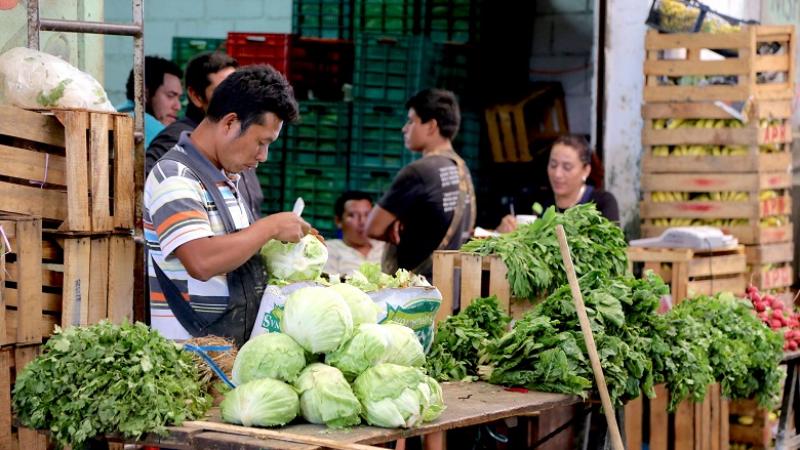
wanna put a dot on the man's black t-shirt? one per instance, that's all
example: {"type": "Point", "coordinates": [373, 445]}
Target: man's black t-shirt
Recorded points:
{"type": "Point", "coordinates": [423, 196]}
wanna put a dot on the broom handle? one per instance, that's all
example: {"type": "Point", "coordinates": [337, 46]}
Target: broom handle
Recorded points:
{"type": "Point", "coordinates": [586, 329]}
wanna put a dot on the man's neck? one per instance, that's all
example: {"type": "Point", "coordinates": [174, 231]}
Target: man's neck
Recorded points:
{"type": "Point", "coordinates": [361, 248]}
{"type": "Point", "coordinates": [436, 145]}
{"type": "Point", "coordinates": [201, 138]}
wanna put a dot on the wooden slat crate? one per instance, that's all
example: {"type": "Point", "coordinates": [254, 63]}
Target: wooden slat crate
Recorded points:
{"type": "Point", "coordinates": [777, 277]}
{"type": "Point", "coordinates": [75, 169]}
{"type": "Point", "coordinates": [53, 279]}
{"type": "Point", "coordinates": [769, 126]}
{"type": "Point", "coordinates": [780, 275]}
{"type": "Point", "coordinates": [693, 426]}
{"type": "Point", "coordinates": [12, 360]}
{"type": "Point", "coordinates": [759, 433]}
{"type": "Point", "coordinates": [693, 272]}
{"type": "Point", "coordinates": [746, 66]}
{"type": "Point", "coordinates": [463, 277]}
{"type": "Point", "coordinates": [746, 234]}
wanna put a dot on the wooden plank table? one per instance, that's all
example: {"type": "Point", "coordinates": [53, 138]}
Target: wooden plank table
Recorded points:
{"type": "Point", "coordinates": [467, 404]}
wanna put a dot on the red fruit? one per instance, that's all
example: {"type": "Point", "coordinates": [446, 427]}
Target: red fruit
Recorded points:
{"type": "Point", "coordinates": [759, 306]}
{"type": "Point", "coordinates": [754, 297]}
{"type": "Point", "coordinates": [764, 316]}
{"type": "Point", "coordinates": [768, 298]}
{"type": "Point", "coordinates": [793, 345]}
{"type": "Point", "coordinates": [777, 304]}
{"type": "Point", "coordinates": [751, 289]}
{"type": "Point", "coordinates": [777, 314]}
{"type": "Point", "coordinates": [785, 346]}
{"type": "Point", "coordinates": [775, 324]}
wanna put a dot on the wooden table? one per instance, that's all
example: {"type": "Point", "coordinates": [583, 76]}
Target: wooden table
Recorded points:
{"type": "Point", "coordinates": [790, 404]}
{"type": "Point", "coordinates": [467, 404]}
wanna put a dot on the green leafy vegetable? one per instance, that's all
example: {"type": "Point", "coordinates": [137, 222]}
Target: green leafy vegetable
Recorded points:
{"type": "Point", "coordinates": [264, 403]}
{"type": "Point", "coordinates": [369, 278]}
{"type": "Point", "coordinates": [271, 355]}
{"type": "Point", "coordinates": [325, 397]}
{"type": "Point", "coordinates": [532, 254]}
{"type": "Point", "coordinates": [317, 318]}
{"type": "Point", "coordinates": [289, 262]}
{"type": "Point", "coordinates": [107, 378]}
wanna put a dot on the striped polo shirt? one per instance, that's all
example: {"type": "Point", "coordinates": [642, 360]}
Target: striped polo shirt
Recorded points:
{"type": "Point", "coordinates": [177, 209]}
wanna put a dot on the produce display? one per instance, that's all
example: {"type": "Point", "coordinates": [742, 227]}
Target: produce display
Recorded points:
{"type": "Point", "coordinates": [108, 378]}
{"type": "Point", "coordinates": [373, 344]}
{"type": "Point", "coordinates": [777, 316]}
{"type": "Point", "coordinates": [711, 150]}
{"type": "Point", "coordinates": [532, 256]}
{"type": "Point", "coordinates": [264, 402]}
{"type": "Point", "coordinates": [369, 278]}
{"type": "Point", "coordinates": [326, 397]}
{"type": "Point", "coordinates": [272, 355]}
{"type": "Point", "coordinates": [317, 318]}
{"type": "Point", "coordinates": [287, 261]}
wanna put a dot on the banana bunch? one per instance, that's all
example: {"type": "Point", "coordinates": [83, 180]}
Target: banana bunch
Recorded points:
{"type": "Point", "coordinates": [773, 221]}
{"type": "Point", "coordinates": [674, 222]}
{"type": "Point", "coordinates": [666, 196]}
{"type": "Point", "coordinates": [769, 148]}
{"type": "Point", "coordinates": [661, 150]}
{"type": "Point", "coordinates": [764, 123]}
{"type": "Point", "coordinates": [768, 194]}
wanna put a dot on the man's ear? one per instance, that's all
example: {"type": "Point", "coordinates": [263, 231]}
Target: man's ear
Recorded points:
{"type": "Point", "coordinates": [230, 122]}
{"type": "Point", "coordinates": [433, 127]}
{"type": "Point", "coordinates": [338, 222]}
{"type": "Point", "coordinates": [195, 97]}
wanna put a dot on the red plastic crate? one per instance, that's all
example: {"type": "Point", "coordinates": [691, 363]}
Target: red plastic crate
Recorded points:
{"type": "Point", "coordinates": [320, 66]}
{"type": "Point", "coordinates": [260, 48]}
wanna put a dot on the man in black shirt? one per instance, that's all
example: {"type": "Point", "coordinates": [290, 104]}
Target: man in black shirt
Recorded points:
{"type": "Point", "coordinates": [203, 74]}
{"type": "Point", "coordinates": [431, 202]}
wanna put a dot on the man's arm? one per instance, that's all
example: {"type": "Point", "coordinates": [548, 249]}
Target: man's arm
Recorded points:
{"type": "Point", "coordinates": [207, 257]}
{"type": "Point", "coordinates": [383, 225]}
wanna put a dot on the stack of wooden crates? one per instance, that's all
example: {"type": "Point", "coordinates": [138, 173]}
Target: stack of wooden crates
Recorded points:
{"type": "Point", "coordinates": [700, 165]}
{"type": "Point", "coordinates": [66, 233]}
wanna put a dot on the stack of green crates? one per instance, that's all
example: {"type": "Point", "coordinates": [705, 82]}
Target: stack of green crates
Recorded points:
{"type": "Point", "coordinates": [388, 17]}
{"type": "Point", "coordinates": [453, 20]}
{"type": "Point", "coordinates": [319, 187]}
{"type": "Point", "coordinates": [388, 67]}
{"type": "Point", "coordinates": [186, 48]}
{"type": "Point", "coordinates": [331, 19]}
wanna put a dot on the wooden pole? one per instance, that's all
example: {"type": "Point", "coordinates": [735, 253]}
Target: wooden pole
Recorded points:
{"type": "Point", "coordinates": [277, 435]}
{"type": "Point", "coordinates": [586, 329]}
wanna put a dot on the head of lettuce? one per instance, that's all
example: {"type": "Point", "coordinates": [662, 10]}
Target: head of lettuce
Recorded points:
{"type": "Point", "coordinates": [288, 262]}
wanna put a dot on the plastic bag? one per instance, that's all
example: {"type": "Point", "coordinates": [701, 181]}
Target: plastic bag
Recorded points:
{"type": "Point", "coordinates": [35, 80]}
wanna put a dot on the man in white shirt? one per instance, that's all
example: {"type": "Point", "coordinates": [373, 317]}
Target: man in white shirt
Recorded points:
{"type": "Point", "coordinates": [347, 254]}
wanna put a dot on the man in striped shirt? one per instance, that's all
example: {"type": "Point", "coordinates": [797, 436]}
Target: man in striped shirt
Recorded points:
{"type": "Point", "coordinates": [205, 274]}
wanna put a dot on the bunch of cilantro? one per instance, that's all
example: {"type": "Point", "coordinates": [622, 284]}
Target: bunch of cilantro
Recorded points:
{"type": "Point", "coordinates": [545, 350]}
{"type": "Point", "coordinates": [459, 340]}
{"type": "Point", "coordinates": [108, 378]}
{"type": "Point", "coordinates": [532, 254]}
{"type": "Point", "coordinates": [719, 339]}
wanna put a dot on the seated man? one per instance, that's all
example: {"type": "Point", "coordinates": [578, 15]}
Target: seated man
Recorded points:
{"type": "Point", "coordinates": [347, 254]}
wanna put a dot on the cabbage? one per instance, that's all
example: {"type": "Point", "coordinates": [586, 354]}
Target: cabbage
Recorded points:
{"type": "Point", "coordinates": [264, 403]}
{"type": "Point", "coordinates": [289, 261]}
{"type": "Point", "coordinates": [373, 344]}
{"type": "Point", "coordinates": [325, 397]}
{"type": "Point", "coordinates": [363, 309]}
{"type": "Point", "coordinates": [369, 278]}
{"type": "Point", "coordinates": [271, 355]}
{"type": "Point", "coordinates": [317, 318]}
{"type": "Point", "coordinates": [398, 396]}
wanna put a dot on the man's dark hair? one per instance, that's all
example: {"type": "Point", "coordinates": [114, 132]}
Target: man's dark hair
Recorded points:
{"type": "Point", "coordinates": [201, 66]}
{"type": "Point", "coordinates": [338, 207]}
{"type": "Point", "coordinates": [252, 91]}
{"type": "Point", "coordinates": [437, 104]}
{"type": "Point", "coordinates": [155, 67]}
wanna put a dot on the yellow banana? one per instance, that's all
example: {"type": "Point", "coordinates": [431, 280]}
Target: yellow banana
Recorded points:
{"type": "Point", "coordinates": [659, 124]}
{"type": "Point", "coordinates": [674, 123]}
{"type": "Point", "coordinates": [720, 123]}
{"type": "Point", "coordinates": [716, 196]}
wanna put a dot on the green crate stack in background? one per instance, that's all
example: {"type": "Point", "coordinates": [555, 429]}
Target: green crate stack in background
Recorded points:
{"type": "Point", "coordinates": [388, 67]}
{"type": "Point", "coordinates": [388, 17]}
{"type": "Point", "coordinates": [319, 187]}
{"type": "Point", "coordinates": [331, 19]}
{"type": "Point", "coordinates": [271, 179]}
{"type": "Point", "coordinates": [322, 135]}
{"type": "Point", "coordinates": [453, 20]}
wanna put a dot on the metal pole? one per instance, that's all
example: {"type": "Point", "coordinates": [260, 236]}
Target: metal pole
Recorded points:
{"type": "Point", "coordinates": [78, 26]}
{"type": "Point", "coordinates": [138, 69]}
{"type": "Point", "coordinates": [33, 24]}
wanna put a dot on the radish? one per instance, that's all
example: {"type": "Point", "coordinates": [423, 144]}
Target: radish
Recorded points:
{"type": "Point", "coordinates": [777, 304]}
{"type": "Point", "coordinates": [759, 306]}
{"type": "Point", "coordinates": [775, 324]}
{"type": "Point", "coordinates": [793, 345]}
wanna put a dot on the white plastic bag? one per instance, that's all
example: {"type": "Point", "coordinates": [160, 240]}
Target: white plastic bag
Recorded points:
{"type": "Point", "coordinates": [35, 80]}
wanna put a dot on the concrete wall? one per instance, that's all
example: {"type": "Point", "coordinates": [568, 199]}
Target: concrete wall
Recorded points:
{"type": "Point", "coordinates": [562, 51]}
{"type": "Point", "coordinates": [186, 18]}
{"type": "Point", "coordinates": [624, 52]}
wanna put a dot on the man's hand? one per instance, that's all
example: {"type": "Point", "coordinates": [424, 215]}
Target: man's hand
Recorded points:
{"type": "Point", "coordinates": [287, 226]}
{"type": "Point", "coordinates": [507, 225]}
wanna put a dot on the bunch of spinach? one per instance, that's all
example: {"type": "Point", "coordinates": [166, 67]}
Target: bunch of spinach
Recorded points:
{"type": "Point", "coordinates": [545, 350]}
{"type": "Point", "coordinates": [459, 339]}
{"type": "Point", "coordinates": [532, 254]}
{"type": "Point", "coordinates": [107, 378]}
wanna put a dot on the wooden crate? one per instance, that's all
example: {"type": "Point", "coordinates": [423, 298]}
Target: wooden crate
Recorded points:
{"type": "Point", "coordinates": [780, 256]}
{"type": "Point", "coordinates": [752, 135]}
{"type": "Point", "coordinates": [55, 279]}
{"type": "Point", "coordinates": [693, 272]}
{"type": "Point", "coordinates": [463, 277]}
{"type": "Point", "coordinates": [779, 277]}
{"type": "Point", "coordinates": [12, 360]}
{"type": "Point", "coordinates": [746, 234]}
{"type": "Point", "coordinates": [693, 426]}
{"type": "Point", "coordinates": [75, 169]}
{"type": "Point", "coordinates": [759, 433]}
{"type": "Point", "coordinates": [745, 66]}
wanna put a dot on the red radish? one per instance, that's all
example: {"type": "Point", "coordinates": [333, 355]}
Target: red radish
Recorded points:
{"type": "Point", "coordinates": [777, 304]}
{"type": "Point", "coordinates": [760, 306]}
{"type": "Point", "coordinates": [755, 298]}
{"type": "Point", "coordinates": [792, 345]}
{"type": "Point", "coordinates": [751, 289]}
{"type": "Point", "coordinates": [775, 324]}
{"type": "Point", "coordinates": [764, 316]}
{"type": "Point", "coordinates": [777, 314]}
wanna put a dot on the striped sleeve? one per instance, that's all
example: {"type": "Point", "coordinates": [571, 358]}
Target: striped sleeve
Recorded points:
{"type": "Point", "coordinates": [176, 207]}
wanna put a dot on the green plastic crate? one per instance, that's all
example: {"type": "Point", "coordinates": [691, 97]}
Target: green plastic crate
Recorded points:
{"type": "Point", "coordinates": [321, 137]}
{"type": "Point", "coordinates": [388, 68]}
{"type": "Point", "coordinates": [323, 18]}
{"type": "Point", "coordinates": [377, 140]}
{"type": "Point", "coordinates": [453, 20]}
{"type": "Point", "coordinates": [271, 179]}
{"type": "Point", "coordinates": [319, 187]}
{"type": "Point", "coordinates": [186, 48]}
{"type": "Point", "coordinates": [454, 67]}
{"type": "Point", "coordinates": [394, 17]}
{"type": "Point", "coordinates": [372, 181]}
{"type": "Point", "coordinates": [468, 140]}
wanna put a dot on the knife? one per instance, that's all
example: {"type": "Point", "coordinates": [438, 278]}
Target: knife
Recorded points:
{"type": "Point", "coordinates": [299, 205]}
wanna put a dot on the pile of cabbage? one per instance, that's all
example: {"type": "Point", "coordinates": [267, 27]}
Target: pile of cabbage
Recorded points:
{"type": "Point", "coordinates": [333, 364]}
